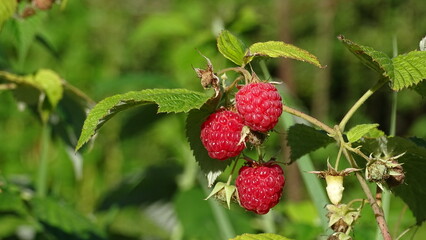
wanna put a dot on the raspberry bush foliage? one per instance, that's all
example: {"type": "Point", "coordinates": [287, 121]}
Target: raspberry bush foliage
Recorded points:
{"type": "Point", "coordinates": [229, 123]}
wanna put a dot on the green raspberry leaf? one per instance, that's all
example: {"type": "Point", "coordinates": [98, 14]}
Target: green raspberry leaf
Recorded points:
{"type": "Point", "coordinates": [231, 47]}
{"type": "Point", "coordinates": [261, 236]}
{"type": "Point", "coordinates": [168, 101]}
{"type": "Point", "coordinates": [410, 70]}
{"type": "Point", "coordinates": [359, 131]}
{"type": "Point", "coordinates": [303, 139]}
{"type": "Point", "coordinates": [275, 49]}
{"type": "Point", "coordinates": [7, 9]}
{"type": "Point", "coordinates": [32, 89]}
{"type": "Point", "coordinates": [64, 222]}
{"type": "Point", "coordinates": [376, 60]}
{"type": "Point", "coordinates": [51, 83]}
{"type": "Point", "coordinates": [412, 191]}
{"type": "Point", "coordinates": [403, 71]}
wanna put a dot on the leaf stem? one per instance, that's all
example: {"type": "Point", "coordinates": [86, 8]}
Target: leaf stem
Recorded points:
{"type": "Point", "coordinates": [232, 171]}
{"type": "Point", "coordinates": [360, 101]}
{"type": "Point", "coordinates": [310, 119]}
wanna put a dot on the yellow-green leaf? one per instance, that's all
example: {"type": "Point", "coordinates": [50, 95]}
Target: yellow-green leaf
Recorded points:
{"type": "Point", "coordinates": [359, 131]}
{"type": "Point", "coordinates": [7, 9]}
{"type": "Point", "coordinates": [231, 47]}
{"type": "Point", "coordinates": [261, 236]}
{"type": "Point", "coordinates": [276, 49]}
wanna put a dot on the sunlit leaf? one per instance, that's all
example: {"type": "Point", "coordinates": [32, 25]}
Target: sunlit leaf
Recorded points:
{"type": "Point", "coordinates": [276, 49]}
{"type": "Point", "coordinates": [41, 92]}
{"type": "Point", "coordinates": [260, 236]}
{"type": "Point", "coordinates": [303, 139]}
{"type": "Point", "coordinates": [357, 132]}
{"type": "Point", "coordinates": [410, 69]}
{"type": "Point", "coordinates": [51, 83]}
{"type": "Point", "coordinates": [231, 47]}
{"type": "Point", "coordinates": [7, 9]}
{"type": "Point", "coordinates": [168, 101]}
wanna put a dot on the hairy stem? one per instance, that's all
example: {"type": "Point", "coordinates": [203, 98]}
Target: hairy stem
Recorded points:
{"type": "Point", "coordinates": [378, 212]}
{"type": "Point", "coordinates": [359, 103]}
{"type": "Point", "coordinates": [310, 119]}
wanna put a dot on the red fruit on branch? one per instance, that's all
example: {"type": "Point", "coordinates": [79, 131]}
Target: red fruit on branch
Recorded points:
{"type": "Point", "coordinates": [260, 105]}
{"type": "Point", "coordinates": [221, 134]}
{"type": "Point", "coordinates": [260, 186]}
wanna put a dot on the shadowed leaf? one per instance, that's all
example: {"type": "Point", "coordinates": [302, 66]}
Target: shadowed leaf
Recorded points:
{"type": "Point", "coordinates": [303, 139]}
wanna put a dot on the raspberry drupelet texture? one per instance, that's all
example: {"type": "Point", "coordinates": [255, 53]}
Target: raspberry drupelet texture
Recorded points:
{"type": "Point", "coordinates": [260, 105]}
{"type": "Point", "coordinates": [221, 134]}
{"type": "Point", "coordinates": [260, 187]}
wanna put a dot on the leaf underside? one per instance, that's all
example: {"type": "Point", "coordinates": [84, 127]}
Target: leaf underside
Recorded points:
{"type": "Point", "coordinates": [168, 101]}
{"type": "Point", "coordinates": [303, 139]}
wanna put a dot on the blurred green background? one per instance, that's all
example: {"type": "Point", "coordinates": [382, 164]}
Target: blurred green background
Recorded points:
{"type": "Point", "coordinates": [139, 179]}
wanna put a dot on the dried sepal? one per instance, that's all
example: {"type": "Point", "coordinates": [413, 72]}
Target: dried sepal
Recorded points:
{"type": "Point", "coordinates": [385, 169]}
{"type": "Point", "coordinates": [208, 77]}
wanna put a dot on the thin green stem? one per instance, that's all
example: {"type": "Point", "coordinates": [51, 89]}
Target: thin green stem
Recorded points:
{"type": "Point", "coordinates": [336, 165]}
{"type": "Point", "coordinates": [225, 226]}
{"type": "Point", "coordinates": [232, 172]}
{"type": "Point", "coordinates": [359, 103]}
{"type": "Point", "coordinates": [44, 163]}
{"type": "Point", "coordinates": [265, 70]}
{"type": "Point", "coordinates": [310, 119]}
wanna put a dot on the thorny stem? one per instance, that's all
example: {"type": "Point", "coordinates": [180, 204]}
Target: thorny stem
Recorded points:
{"type": "Point", "coordinates": [360, 101]}
{"type": "Point", "coordinates": [378, 213]}
{"type": "Point", "coordinates": [310, 119]}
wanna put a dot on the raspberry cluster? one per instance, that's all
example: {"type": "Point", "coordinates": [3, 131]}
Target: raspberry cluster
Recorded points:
{"type": "Point", "coordinates": [260, 187]}
{"type": "Point", "coordinates": [259, 106]}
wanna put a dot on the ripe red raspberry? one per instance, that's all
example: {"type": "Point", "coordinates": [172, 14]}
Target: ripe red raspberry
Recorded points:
{"type": "Point", "coordinates": [221, 134]}
{"type": "Point", "coordinates": [260, 187]}
{"type": "Point", "coordinates": [260, 105]}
